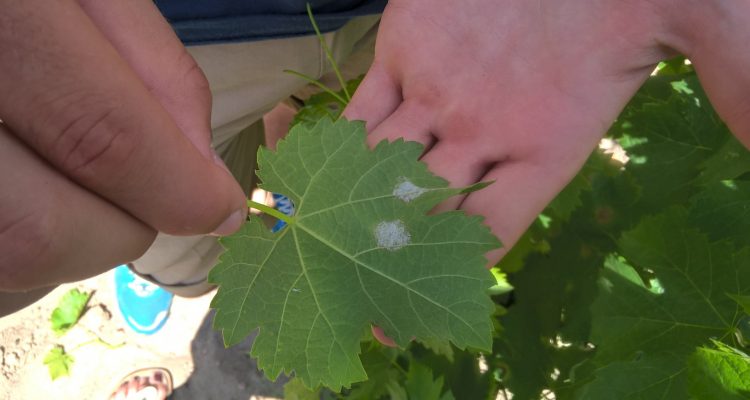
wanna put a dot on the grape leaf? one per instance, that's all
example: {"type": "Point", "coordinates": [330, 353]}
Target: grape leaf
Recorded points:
{"type": "Point", "coordinates": [729, 162]}
{"type": "Point", "coordinates": [420, 384]}
{"type": "Point", "coordinates": [382, 372]}
{"type": "Point", "coordinates": [637, 328]}
{"type": "Point", "coordinates": [643, 378]}
{"type": "Point", "coordinates": [722, 211]}
{"type": "Point", "coordinates": [676, 135]}
{"type": "Point", "coordinates": [360, 250]}
{"type": "Point", "coordinates": [58, 362]}
{"type": "Point", "coordinates": [551, 300]}
{"type": "Point", "coordinates": [743, 301]}
{"type": "Point", "coordinates": [68, 310]}
{"type": "Point", "coordinates": [467, 376]}
{"type": "Point", "coordinates": [296, 390]}
{"type": "Point", "coordinates": [569, 198]}
{"type": "Point", "coordinates": [442, 347]}
{"type": "Point", "coordinates": [719, 374]}
{"type": "Point", "coordinates": [324, 105]}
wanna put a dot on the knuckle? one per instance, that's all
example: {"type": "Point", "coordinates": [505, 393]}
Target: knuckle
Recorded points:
{"type": "Point", "coordinates": [90, 140]}
{"type": "Point", "coordinates": [26, 247]}
{"type": "Point", "coordinates": [193, 75]}
{"type": "Point", "coordinates": [186, 82]}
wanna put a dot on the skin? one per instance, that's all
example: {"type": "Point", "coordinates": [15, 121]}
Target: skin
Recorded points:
{"type": "Point", "coordinates": [154, 385]}
{"type": "Point", "coordinates": [514, 91]}
{"type": "Point", "coordinates": [105, 140]}
{"type": "Point", "coordinates": [530, 87]}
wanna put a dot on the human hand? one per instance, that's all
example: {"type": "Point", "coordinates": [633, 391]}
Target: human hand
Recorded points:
{"type": "Point", "coordinates": [519, 92]}
{"type": "Point", "coordinates": [105, 140]}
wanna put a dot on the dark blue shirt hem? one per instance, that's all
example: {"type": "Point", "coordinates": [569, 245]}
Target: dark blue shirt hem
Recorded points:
{"type": "Point", "coordinates": [243, 28]}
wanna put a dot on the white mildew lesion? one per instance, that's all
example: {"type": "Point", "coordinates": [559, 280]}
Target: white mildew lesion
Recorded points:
{"type": "Point", "coordinates": [407, 191]}
{"type": "Point", "coordinates": [392, 235]}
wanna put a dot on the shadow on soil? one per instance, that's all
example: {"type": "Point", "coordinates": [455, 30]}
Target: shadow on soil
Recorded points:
{"type": "Point", "coordinates": [222, 373]}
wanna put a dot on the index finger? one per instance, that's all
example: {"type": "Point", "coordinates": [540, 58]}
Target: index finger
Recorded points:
{"type": "Point", "coordinates": [68, 94]}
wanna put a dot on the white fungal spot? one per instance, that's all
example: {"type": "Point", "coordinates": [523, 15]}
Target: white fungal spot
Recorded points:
{"type": "Point", "coordinates": [392, 235]}
{"type": "Point", "coordinates": [407, 191]}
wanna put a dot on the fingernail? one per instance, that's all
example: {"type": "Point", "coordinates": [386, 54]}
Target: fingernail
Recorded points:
{"type": "Point", "coordinates": [218, 161]}
{"type": "Point", "coordinates": [232, 224]}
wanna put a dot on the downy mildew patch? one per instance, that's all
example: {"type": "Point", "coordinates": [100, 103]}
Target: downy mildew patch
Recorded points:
{"type": "Point", "coordinates": [392, 235]}
{"type": "Point", "coordinates": [407, 191]}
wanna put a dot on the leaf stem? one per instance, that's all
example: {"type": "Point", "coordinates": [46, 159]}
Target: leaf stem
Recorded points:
{"type": "Point", "coordinates": [318, 84]}
{"type": "Point", "coordinates": [96, 339]}
{"type": "Point", "coordinates": [329, 55]}
{"type": "Point", "coordinates": [271, 211]}
{"type": "Point", "coordinates": [398, 366]}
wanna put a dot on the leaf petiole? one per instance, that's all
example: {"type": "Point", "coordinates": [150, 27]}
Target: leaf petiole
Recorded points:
{"type": "Point", "coordinates": [271, 211]}
{"type": "Point", "coordinates": [329, 54]}
{"type": "Point", "coordinates": [318, 84]}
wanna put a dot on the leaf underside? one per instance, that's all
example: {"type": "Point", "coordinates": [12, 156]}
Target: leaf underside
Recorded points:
{"type": "Point", "coordinates": [360, 251]}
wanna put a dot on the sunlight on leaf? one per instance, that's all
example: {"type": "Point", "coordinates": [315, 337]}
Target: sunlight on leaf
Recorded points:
{"type": "Point", "coordinates": [69, 310]}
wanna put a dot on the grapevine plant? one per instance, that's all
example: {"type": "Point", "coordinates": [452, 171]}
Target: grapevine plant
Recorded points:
{"type": "Point", "coordinates": [633, 284]}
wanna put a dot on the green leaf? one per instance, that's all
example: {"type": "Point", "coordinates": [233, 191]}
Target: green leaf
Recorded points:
{"type": "Point", "coordinates": [58, 362]}
{"type": "Point", "coordinates": [730, 161]}
{"type": "Point", "coordinates": [528, 243]}
{"type": "Point", "coordinates": [69, 310]}
{"type": "Point", "coordinates": [569, 198]}
{"type": "Point", "coordinates": [296, 390]}
{"type": "Point", "coordinates": [722, 373]}
{"type": "Point", "coordinates": [396, 392]}
{"type": "Point", "coordinates": [462, 376]}
{"type": "Point", "coordinates": [439, 347]}
{"type": "Point", "coordinates": [638, 328]}
{"type": "Point", "coordinates": [677, 135]}
{"type": "Point", "coordinates": [743, 301]}
{"type": "Point", "coordinates": [643, 378]}
{"type": "Point", "coordinates": [421, 385]}
{"type": "Point", "coordinates": [723, 212]}
{"type": "Point", "coordinates": [324, 105]}
{"type": "Point", "coordinates": [360, 250]}
{"type": "Point", "coordinates": [674, 66]}
{"type": "Point", "coordinates": [383, 373]}
{"type": "Point", "coordinates": [549, 322]}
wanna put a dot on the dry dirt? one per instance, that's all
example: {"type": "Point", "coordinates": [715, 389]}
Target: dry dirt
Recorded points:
{"type": "Point", "coordinates": [187, 345]}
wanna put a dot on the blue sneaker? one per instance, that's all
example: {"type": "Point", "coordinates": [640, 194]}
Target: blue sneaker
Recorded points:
{"type": "Point", "coordinates": [144, 305]}
{"type": "Point", "coordinates": [284, 205]}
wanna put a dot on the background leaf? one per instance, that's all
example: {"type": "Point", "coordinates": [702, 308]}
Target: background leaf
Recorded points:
{"type": "Point", "coordinates": [720, 373]}
{"type": "Point", "coordinates": [420, 384]}
{"type": "Point", "coordinates": [294, 389]}
{"type": "Point", "coordinates": [636, 328]}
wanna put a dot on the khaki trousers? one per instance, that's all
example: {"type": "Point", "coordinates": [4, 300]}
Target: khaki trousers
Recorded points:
{"type": "Point", "coordinates": [247, 81]}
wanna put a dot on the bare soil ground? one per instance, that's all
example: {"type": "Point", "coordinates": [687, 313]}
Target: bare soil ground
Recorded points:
{"type": "Point", "coordinates": [187, 345]}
